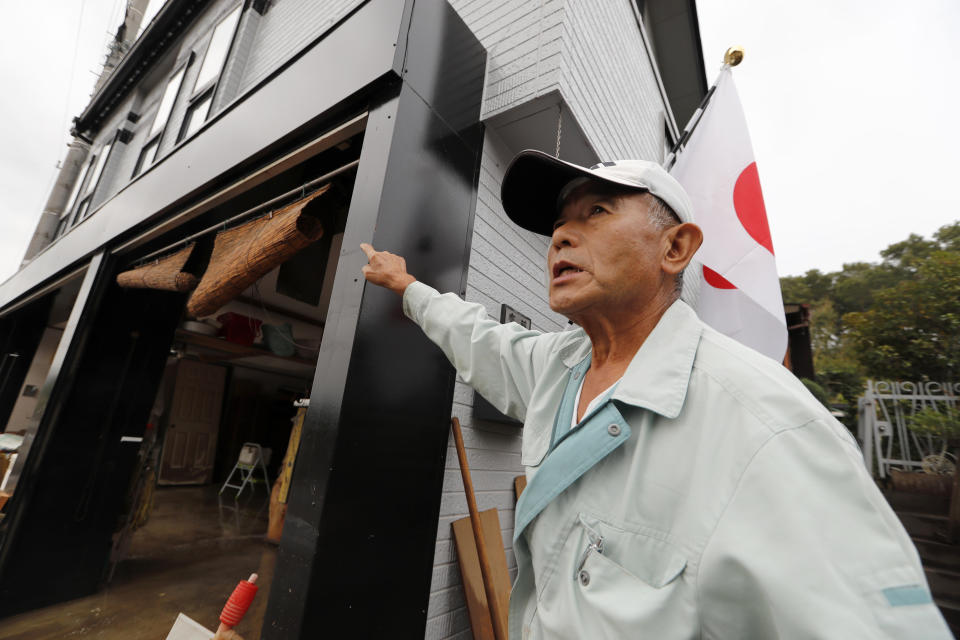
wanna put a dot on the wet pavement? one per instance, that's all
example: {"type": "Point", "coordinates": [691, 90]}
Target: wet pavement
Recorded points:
{"type": "Point", "coordinates": [188, 558]}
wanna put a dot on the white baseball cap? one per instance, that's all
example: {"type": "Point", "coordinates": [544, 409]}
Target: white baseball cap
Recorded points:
{"type": "Point", "coordinates": [535, 184]}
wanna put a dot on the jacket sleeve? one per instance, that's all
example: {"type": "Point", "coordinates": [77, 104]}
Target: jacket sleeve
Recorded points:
{"type": "Point", "coordinates": [500, 361]}
{"type": "Point", "coordinates": [808, 547]}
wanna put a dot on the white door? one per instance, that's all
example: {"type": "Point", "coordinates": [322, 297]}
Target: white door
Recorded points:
{"type": "Point", "coordinates": [190, 443]}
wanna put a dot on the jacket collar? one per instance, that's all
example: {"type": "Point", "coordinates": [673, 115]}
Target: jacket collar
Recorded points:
{"type": "Point", "coordinates": [659, 374]}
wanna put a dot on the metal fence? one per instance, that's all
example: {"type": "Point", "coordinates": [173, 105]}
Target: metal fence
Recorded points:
{"type": "Point", "coordinates": [884, 414]}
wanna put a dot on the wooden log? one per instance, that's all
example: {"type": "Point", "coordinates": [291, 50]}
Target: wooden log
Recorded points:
{"type": "Point", "coordinates": [165, 274]}
{"type": "Point", "coordinates": [246, 253]}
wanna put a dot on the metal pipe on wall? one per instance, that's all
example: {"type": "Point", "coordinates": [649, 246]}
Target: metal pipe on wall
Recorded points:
{"type": "Point", "coordinates": [57, 200]}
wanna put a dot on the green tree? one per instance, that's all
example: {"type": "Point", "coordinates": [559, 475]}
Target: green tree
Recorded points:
{"type": "Point", "coordinates": [813, 285]}
{"type": "Point", "coordinates": [837, 366]}
{"type": "Point", "coordinates": [892, 319]}
{"type": "Point", "coordinates": [913, 329]}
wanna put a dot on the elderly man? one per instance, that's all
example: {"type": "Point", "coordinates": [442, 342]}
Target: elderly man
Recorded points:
{"type": "Point", "coordinates": [680, 485]}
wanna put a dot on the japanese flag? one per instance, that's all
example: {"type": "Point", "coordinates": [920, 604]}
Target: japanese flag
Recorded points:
{"type": "Point", "coordinates": [740, 291]}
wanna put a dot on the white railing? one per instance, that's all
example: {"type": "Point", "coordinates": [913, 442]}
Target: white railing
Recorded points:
{"type": "Point", "coordinates": [884, 412]}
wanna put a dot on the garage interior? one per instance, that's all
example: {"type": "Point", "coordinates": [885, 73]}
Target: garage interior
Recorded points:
{"type": "Point", "coordinates": [235, 382]}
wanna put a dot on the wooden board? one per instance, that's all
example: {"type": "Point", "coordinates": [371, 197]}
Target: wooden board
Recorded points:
{"type": "Point", "coordinates": [281, 488]}
{"type": "Point", "coordinates": [519, 484]}
{"type": "Point", "coordinates": [290, 457]}
{"type": "Point", "coordinates": [474, 592]}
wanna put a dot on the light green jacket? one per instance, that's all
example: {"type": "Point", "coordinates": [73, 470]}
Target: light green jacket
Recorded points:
{"type": "Point", "coordinates": [710, 496]}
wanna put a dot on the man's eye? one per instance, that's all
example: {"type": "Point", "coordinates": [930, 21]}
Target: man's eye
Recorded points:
{"type": "Point", "coordinates": [597, 209]}
{"type": "Point", "coordinates": [557, 224]}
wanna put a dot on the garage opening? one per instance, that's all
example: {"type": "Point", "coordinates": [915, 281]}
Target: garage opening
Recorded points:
{"type": "Point", "coordinates": [29, 342]}
{"type": "Point", "coordinates": [224, 427]}
{"type": "Point", "coordinates": [205, 501]}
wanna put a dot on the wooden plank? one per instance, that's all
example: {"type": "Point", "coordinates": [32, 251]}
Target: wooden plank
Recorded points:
{"type": "Point", "coordinates": [519, 484]}
{"type": "Point", "coordinates": [474, 593]}
{"type": "Point", "coordinates": [290, 458]}
{"type": "Point", "coordinates": [281, 488]}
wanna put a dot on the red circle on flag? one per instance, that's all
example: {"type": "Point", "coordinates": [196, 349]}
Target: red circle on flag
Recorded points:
{"type": "Point", "coordinates": [716, 280]}
{"type": "Point", "coordinates": [748, 203]}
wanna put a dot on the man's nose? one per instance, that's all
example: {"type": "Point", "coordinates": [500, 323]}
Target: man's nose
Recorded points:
{"type": "Point", "coordinates": [564, 235]}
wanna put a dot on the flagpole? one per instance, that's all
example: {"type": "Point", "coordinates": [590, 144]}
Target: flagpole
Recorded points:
{"type": "Point", "coordinates": [731, 58]}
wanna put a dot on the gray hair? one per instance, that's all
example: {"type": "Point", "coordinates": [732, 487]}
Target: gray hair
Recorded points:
{"type": "Point", "coordinates": [663, 217]}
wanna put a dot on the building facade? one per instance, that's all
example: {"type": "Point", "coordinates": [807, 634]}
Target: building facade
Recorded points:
{"type": "Point", "coordinates": [215, 112]}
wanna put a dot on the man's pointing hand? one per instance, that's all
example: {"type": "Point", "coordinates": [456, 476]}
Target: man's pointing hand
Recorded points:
{"type": "Point", "coordinates": [386, 269]}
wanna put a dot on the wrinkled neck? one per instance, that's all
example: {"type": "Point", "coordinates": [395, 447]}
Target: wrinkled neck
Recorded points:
{"type": "Point", "coordinates": [616, 335]}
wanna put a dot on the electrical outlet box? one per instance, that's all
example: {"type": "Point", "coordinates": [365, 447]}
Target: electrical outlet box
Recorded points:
{"type": "Point", "coordinates": [509, 314]}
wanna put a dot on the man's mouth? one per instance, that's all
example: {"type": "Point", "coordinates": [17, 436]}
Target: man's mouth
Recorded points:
{"type": "Point", "coordinates": [563, 268]}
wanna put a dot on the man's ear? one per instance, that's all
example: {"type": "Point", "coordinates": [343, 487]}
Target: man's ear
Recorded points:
{"type": "Point", "coordinates": [683, 241]}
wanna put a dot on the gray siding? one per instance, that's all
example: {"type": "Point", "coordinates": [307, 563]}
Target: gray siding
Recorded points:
{"type": "Point", "coordinates": [507, 265]}
{"type": "Point", "coordinates": [609, 82]}
{"type": "Point", "coordinates": [287, 27]}
{"type": "Point", "coordinates": [524, 42]}
{"type": "Point", "coordinates": [593, 55]}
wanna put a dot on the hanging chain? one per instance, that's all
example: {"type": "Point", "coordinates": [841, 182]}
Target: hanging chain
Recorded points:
{"type": "Point", "coordinates": [559, 128]}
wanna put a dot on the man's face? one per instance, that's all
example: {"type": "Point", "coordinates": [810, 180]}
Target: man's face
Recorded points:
{"type": "Point", "coordinates": [605, 253]}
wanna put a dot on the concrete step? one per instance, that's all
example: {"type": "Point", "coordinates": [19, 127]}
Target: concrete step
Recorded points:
{"type": "Point", "coordinates": [923, 525]}
{"type": "Point", "coordinates": [944, 584]}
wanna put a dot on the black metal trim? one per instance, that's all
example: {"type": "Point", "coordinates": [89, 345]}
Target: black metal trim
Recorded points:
{"type": "Point", "coordinates": [55, 388]}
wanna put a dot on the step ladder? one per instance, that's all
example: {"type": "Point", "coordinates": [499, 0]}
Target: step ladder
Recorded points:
{"type": "Point", "coordinates": [249, 460]}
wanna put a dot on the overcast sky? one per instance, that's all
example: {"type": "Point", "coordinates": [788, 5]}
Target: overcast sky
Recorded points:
{"type": "Point", "coordinates": [851, 106]}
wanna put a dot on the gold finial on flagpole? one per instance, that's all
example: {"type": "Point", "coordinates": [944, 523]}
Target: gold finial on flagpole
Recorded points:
{"type": "Point", "coordinates": [733, 56]}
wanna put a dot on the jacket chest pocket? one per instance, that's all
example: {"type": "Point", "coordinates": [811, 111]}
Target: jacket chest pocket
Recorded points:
{"type": "Point", "coordinates": [648, 560]}
{"type": "Point", "coordinates": [613, 580]}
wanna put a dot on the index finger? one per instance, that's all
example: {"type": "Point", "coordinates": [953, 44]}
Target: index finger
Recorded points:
{"type": "Point", "coordinates": [367, 249]}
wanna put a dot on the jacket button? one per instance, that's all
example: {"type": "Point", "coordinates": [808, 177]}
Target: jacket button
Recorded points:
{"type": "Point", "coordinates": [584, 578]}
{"type": "Point", "coordinates": [614, 429]}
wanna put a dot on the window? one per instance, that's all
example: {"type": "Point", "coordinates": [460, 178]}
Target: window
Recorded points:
{"type": "Point", "coordinates": [197, 114]}
{"type": "Point", "coordinates": [98, 162]}
{"type": "Point", "coordinates": [217, 49]}
{"type": "Point", "coordinates": [209, 74]}
{"type": "Point", "coordinates": [147, 155]}
{"type": "Point", "coordinates": [149, 152]}
{"type": "Point", "coordinates": [166, 102]}
{"type": "Point", "coordinates": [78, 184]}
{"type": "Point", "coordinates": [61, 227]}
{"type": "Point", "coordinates": [81, 211]}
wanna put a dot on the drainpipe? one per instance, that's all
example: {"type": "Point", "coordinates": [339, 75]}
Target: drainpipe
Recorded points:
{"type": "Point", "coordinates": [57, 200]}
